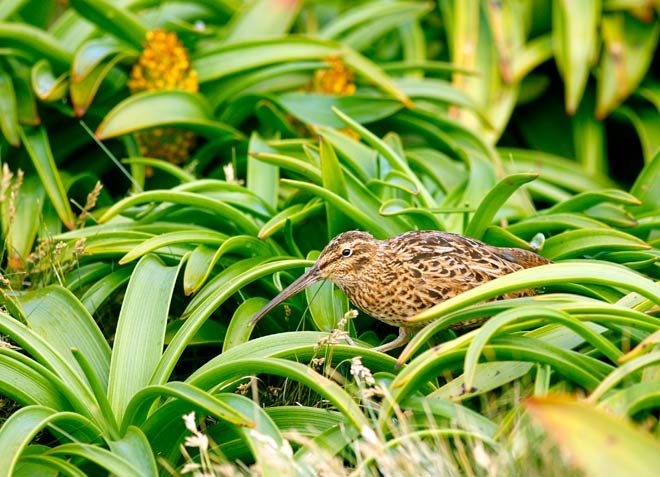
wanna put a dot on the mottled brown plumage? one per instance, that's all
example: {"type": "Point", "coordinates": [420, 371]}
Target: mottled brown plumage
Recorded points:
{"type": "Point", "coordinates": [397, 278]}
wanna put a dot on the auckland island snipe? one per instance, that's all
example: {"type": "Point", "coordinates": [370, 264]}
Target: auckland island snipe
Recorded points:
{"type": "Point", "coordinates": [396, 278]}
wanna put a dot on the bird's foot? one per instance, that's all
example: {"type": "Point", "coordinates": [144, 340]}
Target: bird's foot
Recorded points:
{"type": "Point", "coordinates": [402, 339]}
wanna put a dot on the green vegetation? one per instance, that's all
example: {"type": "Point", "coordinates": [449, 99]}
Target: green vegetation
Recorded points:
{"type": "Point", "coordinates": [152, 204]}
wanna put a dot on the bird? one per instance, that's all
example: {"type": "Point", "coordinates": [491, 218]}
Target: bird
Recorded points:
{"type": "Point", "coordinates": [399, 277]}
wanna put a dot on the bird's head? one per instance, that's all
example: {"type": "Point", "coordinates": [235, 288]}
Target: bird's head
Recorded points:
{"type": "Point", "coordinates": [342, 261]}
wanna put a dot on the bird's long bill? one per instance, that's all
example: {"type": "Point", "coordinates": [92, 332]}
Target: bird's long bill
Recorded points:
{"type": "Point", "coordinates": [310, 276]}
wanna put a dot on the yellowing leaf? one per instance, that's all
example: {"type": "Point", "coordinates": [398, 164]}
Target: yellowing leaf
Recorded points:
{"type": "Point", "coordinates": [599, 443]}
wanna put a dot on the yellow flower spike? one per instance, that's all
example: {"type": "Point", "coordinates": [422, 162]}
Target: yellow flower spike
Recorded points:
{"type": "Point", "coordinates": [164, 65]}
{"type": "Point", "coordinates": [337, 79]}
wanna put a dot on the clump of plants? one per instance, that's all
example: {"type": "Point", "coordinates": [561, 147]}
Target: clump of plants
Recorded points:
{"type": "Point", "coordinates": [169, 167]}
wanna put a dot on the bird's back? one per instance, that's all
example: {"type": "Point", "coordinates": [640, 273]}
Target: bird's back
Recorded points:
{"type": "Point", "coordinates": [419, 269]}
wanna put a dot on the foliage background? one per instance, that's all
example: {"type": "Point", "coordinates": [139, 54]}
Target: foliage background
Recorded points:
{"type": "Point", "coordinates": [229, 159]}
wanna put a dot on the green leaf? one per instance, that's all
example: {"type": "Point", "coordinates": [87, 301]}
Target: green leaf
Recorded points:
{"type": "Point", "coordinates": [200, 265]}
{"type": "Point", "coordinates": [646, 121]}
{"type": "Point", "coordinates": [647, 187]}
{"type": "Point", "coordinates": [575, 45]}
{"type": "Point", "coordinates": [111, 18]}
{"type": "Point", "coordinates": [10, 7]}
{"type": "Point", "coordinates": [441, 92]}
{"type": "Point", "coordinates": [262, 178]}
{"type": "Point", "coordinates": [583, 370]}
{"type": "Point", "coordinates": [291, 215]}
{"type": "Point", "coordinates": [70, 381]}
{"type": "Point", "coordinates": [280, 367]}
{"type": "Point", "coordinates": [56, 315]}
{"type": "Point", "coordinates": [366, 219]}
{"type": "Point", "coordinates": [139, 407]}
{"type": "Point", "coordinates": [85, 88]}
{"type": "Point", "coordinates": [585, 242]}
{"type": "Point", "coordinates": [632, 399]}
{"type": "Point", "coordinates": [493, 327]}
{"type": "Point", "coordinates": [114, 463]}
{"type": "Point", "coordinates": [625, 370]}
{"type": "Point", "coordinates": [141, 326]}
{"type": "Point", "coordinates": [487, 376]}
{"type": "Point", "coordinates": [395, 160]}
{"type": "Point", "coordinates": [316, 109]}
{"type": "Point", "coordinates": [46, 85]}
{"type": "Point", "coordinates": [333, 181]}
{"type": "Point", "coordinates": [36, 42]}
{"type": "Point", "coordinates": [163, 108]}
{"type": "Point", "coordinates": [362, 24]}
{"type": "Point", "coordinates": [493, 201]}
{"type": "Point", "coordinates": [551, 223]}
{"type": "Point", "coordinates": [23, 425]}
{"type": "Point", "coordinates": [209, 298]}
{"type": "Point", "coordinates": [162, 241]}
{"type": "Point", "coordinates": [160, 164]}
{"type": "Point", "coordinates": [8, 109]}
{"type": "Point", "coordinates": [361, 158]}
{"type": "Point", "coordinates": [134, 447]}
{"type": "Point", "coordinates": [262, 19]}
{"type": "Point", "coordinates": [93, 52]}
{"type": "Point", "coordinates": [27, 382]}
{"type": "Point", "coordinates": [229, 213]}
{"type": "Point", "coordinates": [588, 199]}
{"type": "Point", "coordinates": [38, 147]}
{"type": "Point", "coordinates": [553, 169]}
{"type": "Point", "coordinates": [97, 294]}
{"type": "Point", "coordinates": [28, 114]}
{"type": "Point", "coordinates": [629, 46]}
{"type": "Point", "coordinates": [21, 232]}
{"type": "Point", "coordinates": [240, 329]}
{"type": "Point", "coordinates": [236, 57]}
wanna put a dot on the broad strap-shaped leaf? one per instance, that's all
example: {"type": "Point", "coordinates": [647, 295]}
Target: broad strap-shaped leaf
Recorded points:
{"type": "Point", "coordinates": [140, 336]}
{"type": "Point", "coordinates": [647, 187]}
{"type": "Point", "coordinates": [23, 425]}
{"type": "Point", "coordinates": [134, 447]}
{"type": "Point", "coordinates": [240, 329]}
{"type": "Point", "coordinates": [163, 108]}
{"type": "Point", "coordinates": [493, 201]}
{"type": "Point", "coordinates": [113, 19]}
{"type": "Point", "coordinates": [37, 145]}
{"type": "Point", "coordinates": [35, 41]}
{"type": "Point", "coordinates": [262, 178]}
{"type": "Point", "coordinates": [262, 19]}
{"type": "Point", "coordinates": [8, 109]}
{"type": "Point", "coordinates": [574, 30]}
{"type": "Point", "coordinates": [46, 85]}
{"type": "Point", "coordinates": [334, 181]}
{"type": "Point", "coordinates": [244, 223]}
{"type": "Point", "coordinates": [27, 382]}
{"type": "Point", "coordinates": [316, 109]}
{"type": "Point", "coordinates": [599, 443]}
{"type": "Point", "coordinates": [213, 375]}
{"type": "Point", "coordinates": [139, 407]}
{"type": "Point", "coordinates": [629, 46]}
{"type": "Point", "coordinates": [60, 318]}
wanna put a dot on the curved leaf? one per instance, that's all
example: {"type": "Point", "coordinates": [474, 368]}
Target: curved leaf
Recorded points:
{"type": "Point", "coordinates": [163, 108]}
{"type": "Point", "coordinates": [37, 145]}
{"type": "Point", "coordinates": [494, 201]}
{"type": "Point", "coordinates": [584, 432]}
{"type": "Point", "coordinates": [141, 326]}
{"type": "Point", "coordinates": [113, 19]}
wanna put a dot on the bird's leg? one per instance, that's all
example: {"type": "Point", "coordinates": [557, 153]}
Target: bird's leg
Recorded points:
{"type": "Point", "coordinates": [403, 338]}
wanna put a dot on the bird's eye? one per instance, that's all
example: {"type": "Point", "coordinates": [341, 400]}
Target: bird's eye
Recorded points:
{"type": "Point", "coordinates": [347, 252]}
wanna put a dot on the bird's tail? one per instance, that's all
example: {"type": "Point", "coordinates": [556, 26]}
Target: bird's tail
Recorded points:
{"type": "Point", "coordinates": [524, 258]}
